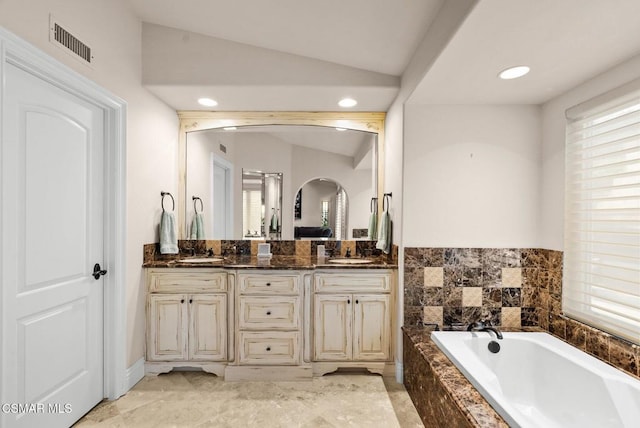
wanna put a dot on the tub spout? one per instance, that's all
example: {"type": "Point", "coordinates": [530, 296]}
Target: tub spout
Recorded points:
{"type": "Point", "coordinates": [481, 326]}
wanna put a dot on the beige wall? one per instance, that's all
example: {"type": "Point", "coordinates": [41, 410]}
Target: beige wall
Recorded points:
{"type": "Point", "coordinates": [553, 138]}
{"type": "Point", "coordinates": [113, 32]}
{"type": "Point", "coordinates": [471, 176]}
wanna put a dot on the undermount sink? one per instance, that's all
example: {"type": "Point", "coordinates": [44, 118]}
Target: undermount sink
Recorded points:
{"type": "Point", "coordinates": [348, 261]}
{"type": "Point", "coordinates": [202, 260]}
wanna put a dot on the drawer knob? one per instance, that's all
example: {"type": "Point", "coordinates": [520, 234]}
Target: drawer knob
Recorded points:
{"type": "Point", "coordinates": [268, 348]}
{"type": "Point", "coordinates": [268, 312]}
{"type": "Point", "coordinates": [268, 284]}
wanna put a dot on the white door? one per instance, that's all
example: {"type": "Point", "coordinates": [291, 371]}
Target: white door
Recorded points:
{"type": "Point", "coordinates": [222, 199]}
{"type": "Point", "coordinates": [52, 235]}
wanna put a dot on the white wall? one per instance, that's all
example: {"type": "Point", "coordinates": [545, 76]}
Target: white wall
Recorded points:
{"type": "Point", "coordinates": [553, 135]}
{"type": "Point", "coordinates": [471, 176]}
{"type": "Point", "coordinates": [113, 32]}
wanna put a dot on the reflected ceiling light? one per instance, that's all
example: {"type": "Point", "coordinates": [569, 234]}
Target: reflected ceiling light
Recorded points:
{"type": "Point", "coordinates": [229, 128]}
{"type": "Point", "coordinates": [207, 102]}
{"type": "Point", "coordinates": [341, 129]}
{"type": "Point", "coordinates": [347, 102]}
{"type": "Point", "coordinates": [514, 72]}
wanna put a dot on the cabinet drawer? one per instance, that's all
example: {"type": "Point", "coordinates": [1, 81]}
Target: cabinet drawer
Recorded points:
{"type": "Point", "coordinates": [269, 313]}
{"type": "Point", "coordinates": [187, 281]}
{"type": "Point", "coordinates": [264, 283]}
{"type": "Point", "coordinates": [269, 348]}
{"type": "Point", "coordinates": [352, 282]}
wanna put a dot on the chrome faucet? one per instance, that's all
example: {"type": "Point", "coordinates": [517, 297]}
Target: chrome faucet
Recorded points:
{"type": "Point", "coordinates": [481, 326]}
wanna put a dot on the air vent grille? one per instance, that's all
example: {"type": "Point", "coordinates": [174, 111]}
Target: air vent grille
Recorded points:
{"type": "Point", "coordinates": [69, 41]}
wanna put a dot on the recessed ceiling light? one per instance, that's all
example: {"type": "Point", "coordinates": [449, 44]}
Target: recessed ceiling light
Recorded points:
{"type": "Point", "coordinates": [341, 129]}
{"type": "Point", "coordinates": [207, 102]}
{"type": "Point", "coordinates": [229, 128]}
{"type": "Point", "coordinates": [514, 72]}
{"type": "Point", "coordinates": [347, 102]}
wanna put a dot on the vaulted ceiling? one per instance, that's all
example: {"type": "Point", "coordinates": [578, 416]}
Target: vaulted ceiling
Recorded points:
{"type": "Point", "coordinates": [308, 54]}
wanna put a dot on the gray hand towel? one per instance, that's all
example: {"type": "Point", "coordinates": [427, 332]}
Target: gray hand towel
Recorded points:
{"type": "Point", "coordinates": [384, 236]}
{"type": "Point", "coordinates": [168, 235]}
{"type": "Point", "coordinates": [372, 234]}
{"type": "Point", "coordinates": [197, 227]}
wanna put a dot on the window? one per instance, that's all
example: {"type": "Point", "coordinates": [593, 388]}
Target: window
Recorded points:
{"type": "Point", "coordinates": [602, 213]}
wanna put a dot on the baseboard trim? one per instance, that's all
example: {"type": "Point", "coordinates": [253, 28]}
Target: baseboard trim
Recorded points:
{"type": "Point", "coordinates": [134, 374]}
{"type": "Point", "coordinates": [399, 371]}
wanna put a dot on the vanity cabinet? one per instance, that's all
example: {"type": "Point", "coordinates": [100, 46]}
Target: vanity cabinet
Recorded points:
{"type": "Point", "coordinates": [269, 325]}
{"type": "Point", "coordinates": [353, 320]}
{"type": "Point", "coordinates": [187, 319]}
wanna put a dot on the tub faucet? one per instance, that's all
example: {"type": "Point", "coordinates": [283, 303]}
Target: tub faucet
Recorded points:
{"type": "Point", "coordinates": [481, 326]}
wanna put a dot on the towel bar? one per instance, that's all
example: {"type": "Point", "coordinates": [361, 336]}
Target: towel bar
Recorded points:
{"type": "Point", "coordinates": [386, 198]}
{"type": "Point", "coordinates": [173, 201]}
{"type": "Point", "coordinates": [196, 198]}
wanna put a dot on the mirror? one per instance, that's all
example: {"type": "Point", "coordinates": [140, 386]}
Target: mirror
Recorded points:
{"type": "Point", "coordinates": [216, 148]}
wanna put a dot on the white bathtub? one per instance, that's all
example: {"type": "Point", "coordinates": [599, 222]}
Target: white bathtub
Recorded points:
{"type": "Point", "coordinates": [536, 380]}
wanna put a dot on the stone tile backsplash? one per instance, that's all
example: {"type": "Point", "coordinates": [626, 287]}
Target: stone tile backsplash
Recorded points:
{"type": "Point", "coordinates": [512, 288]}
{"type": "Point", "coordinates": [300, 248]}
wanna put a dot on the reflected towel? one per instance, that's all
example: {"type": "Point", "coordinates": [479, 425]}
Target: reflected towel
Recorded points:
{"type": "Point", "coordinates": [197, 227]}
{"type": "Point", "coordinates": [372, 234]}
{"type": "Point", "coordinates": [274, 222]}
{"type": "Point", "coordinates": [384, 235]}
{"type": "Point", "coordinates": [168, 235]}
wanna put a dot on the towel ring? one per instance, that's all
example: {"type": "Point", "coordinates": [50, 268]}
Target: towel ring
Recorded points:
{"type": "Point", "coordinates": [386, 198]}
{"type": "Point", "coordinates": [173, 201]}
{"type": "Point", "coordinates": [373, 204]}
{"type": "Point", "coordinates": [195, 198]}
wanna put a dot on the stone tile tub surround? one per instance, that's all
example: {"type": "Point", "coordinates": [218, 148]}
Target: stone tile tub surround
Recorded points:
{"type": "Point", "coordinates": [510, 287]}
{"type": "Point", "coordinates": [441, 394]}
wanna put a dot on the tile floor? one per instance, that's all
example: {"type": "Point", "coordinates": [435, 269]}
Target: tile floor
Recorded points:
{"type": "Point", "coordinates": [196, 399]}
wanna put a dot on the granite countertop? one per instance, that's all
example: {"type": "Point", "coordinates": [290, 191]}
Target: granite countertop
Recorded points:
{"type": "Point", "coordinates": [477, 410]}
{"type": "Point", "coordinates": [275, 262]}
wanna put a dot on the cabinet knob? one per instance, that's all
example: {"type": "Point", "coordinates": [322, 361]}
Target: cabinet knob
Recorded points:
{"type": "Point", "coordinates": [357, 301]}
{"type": "Point", "coordinates": [191, 301]}
{"type": "Point", "coordinates": [268, 312]}
{"type": "Point", "coordinates": [268, 348]}
{"type": "Point", "coordinates": [348, 301]}
{"type": "Point", "coordinates": [182, 301]}
{"type": "Point", "coordinates": [268, 284]}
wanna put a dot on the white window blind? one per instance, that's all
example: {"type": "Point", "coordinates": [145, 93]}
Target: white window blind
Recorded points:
{"type": "Point", "coordinates": [601, 285]}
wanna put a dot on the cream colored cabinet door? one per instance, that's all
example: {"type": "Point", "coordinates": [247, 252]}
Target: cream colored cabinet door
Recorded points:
{"type": "Point", "coordinates": [371, 327]}
{"type": "Point", "coordinates": [207, 327]}
{"type": "Point", "coordinates": [167, 330]}
{"type": "Point", "coordinates": [332, 327]}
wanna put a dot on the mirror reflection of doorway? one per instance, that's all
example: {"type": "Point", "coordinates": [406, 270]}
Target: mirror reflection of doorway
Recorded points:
{"type": "Point", "coordinates": [261, 204]}
{"type": "Point", "coordinates": [222, 177]}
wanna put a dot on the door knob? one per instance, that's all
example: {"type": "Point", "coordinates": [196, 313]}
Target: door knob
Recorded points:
{"type": "Point", "coordinates": [98, 271]}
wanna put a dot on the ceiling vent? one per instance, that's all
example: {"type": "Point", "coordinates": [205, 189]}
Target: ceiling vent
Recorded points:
{"type": "Point", "coordinates": [63, 38]}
